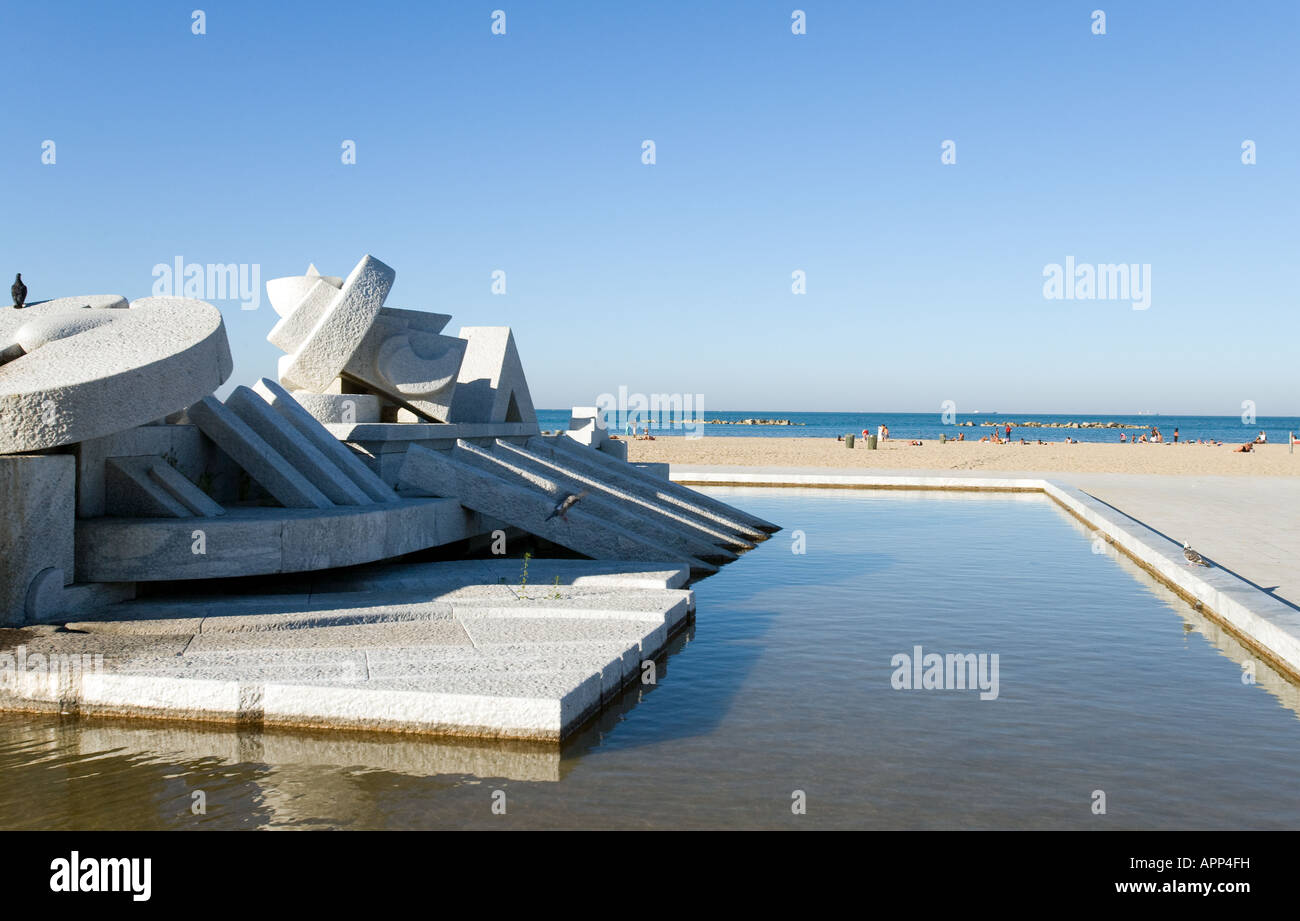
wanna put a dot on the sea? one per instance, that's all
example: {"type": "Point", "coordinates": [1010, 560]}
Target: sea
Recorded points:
{"type": "Point", "coordinates": [922, 426]}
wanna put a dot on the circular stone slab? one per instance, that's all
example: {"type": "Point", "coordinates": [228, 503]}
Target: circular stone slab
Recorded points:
{"type": "Point", "coordinates": [90, 372]}
{"type": "Point", "coordinates": [93, 301]}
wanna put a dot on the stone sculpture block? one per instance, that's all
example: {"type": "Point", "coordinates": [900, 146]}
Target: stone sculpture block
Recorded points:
{"type": "Point", "coordinates": [491, 386]}
{"type": "Point", "coordinates": [249, 450]}
{"type": "Point", "coordinates": [405, 359]}
{"type": "Point", "coordinates": [37, 521]}
{"type": "Point", "coordinates": [342, 326]}
{"type": "Point", "coordinates": [341, 408]}
{"type": "Point", "coordinates": [291, 444]}
{"type": "Point", "coordinates": [327, 444]}
{"type": "Point", "coordinates": [83, 373]}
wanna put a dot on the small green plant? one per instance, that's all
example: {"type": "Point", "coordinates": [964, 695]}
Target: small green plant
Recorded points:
{"type": "Point", "coordinates": [557, 588]}
{"type": "Point", "coordinates": [523, 577]}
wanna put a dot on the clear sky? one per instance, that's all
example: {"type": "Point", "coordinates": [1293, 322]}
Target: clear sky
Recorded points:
{"type": "Point", "coordinates": [775, 152]}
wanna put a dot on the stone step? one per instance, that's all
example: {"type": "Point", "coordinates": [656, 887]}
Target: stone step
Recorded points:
{"type": "Point", "coordinates": [652, 488]}
{"type": "Point", "coordinates": [183, 491]}
{"type": "Point", "coordinates": [250, 451]}
{"type": "Point", "coordinates": [294, 447]}
{"type": "Point", "coordinates": [284, 403]}
{"type": "Point", "coordinates": [530, 509]}
{"type": "Point", "coordinates": [607, 506]}
{"type": "Point", "coordinates": [655, 510]}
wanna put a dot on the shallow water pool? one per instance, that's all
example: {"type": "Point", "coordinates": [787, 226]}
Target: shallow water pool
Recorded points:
{"type": "Point", "coordinates": [1109, 690]}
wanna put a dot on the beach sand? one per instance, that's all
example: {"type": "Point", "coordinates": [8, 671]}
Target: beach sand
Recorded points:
{"type": "Point", "coordinates": [1166, 459]}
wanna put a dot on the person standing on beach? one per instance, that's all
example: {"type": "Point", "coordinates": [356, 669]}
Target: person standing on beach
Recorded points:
{"type": "Point", "coordinates": [1008, 433]}
{"type": "Point", "coordinates": [1175, 434]}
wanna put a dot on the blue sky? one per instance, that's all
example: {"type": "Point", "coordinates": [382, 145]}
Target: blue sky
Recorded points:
{"type": "Point", "coordinates": [775, 152]}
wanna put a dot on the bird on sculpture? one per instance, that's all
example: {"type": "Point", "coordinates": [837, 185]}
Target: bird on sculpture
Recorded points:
{"type": "Point", "coordinates": [1192, 556]}
{"type": "Point", "coordinates": [567, 502]}
{"type": "Point", "coordinates": [19, 291]}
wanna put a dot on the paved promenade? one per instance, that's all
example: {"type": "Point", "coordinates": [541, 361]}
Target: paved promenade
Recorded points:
{"type": "Point", "coordinates": [1249, 526]}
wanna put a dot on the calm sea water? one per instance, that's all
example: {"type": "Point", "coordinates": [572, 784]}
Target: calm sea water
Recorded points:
{"type": "Point", "coordinates": [930, 425]}
{"type": "Point", "coordinates": [1106, 682]}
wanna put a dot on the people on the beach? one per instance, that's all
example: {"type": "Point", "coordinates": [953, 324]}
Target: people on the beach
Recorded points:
{"type": "Point", "coordinates": [1008, 433]}
{"type": "Point", "coordinates": [1175, 434]}
{"type": "Point", "coordinates": [1246, 448]}
{"type": "Point", "coordinates": [1123, 437]}
{"type": "Point", "coordinates": [1261, 438]}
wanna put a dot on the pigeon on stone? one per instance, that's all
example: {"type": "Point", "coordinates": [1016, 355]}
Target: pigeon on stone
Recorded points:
{"type": "Point", "coordinates": [567, 501]}
{"type": "Point", "coordinates": [1192, 556]}
{"type": "Point", "coordinates": [19, 291]}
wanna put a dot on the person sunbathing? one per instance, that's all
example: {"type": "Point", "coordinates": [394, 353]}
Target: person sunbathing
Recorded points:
{"type": "Point", "coordinates": [1246, 448]}
{"type": "Point", "coordinates": [914, 442]}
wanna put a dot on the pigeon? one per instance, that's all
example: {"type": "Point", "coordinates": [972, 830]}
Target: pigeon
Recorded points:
{"type": "Point", "coordinates": [1192, 556]}
{"type": "Point", "coordinates": [19, 291]}
{"type": "Point", "coordinates": [567, 501]}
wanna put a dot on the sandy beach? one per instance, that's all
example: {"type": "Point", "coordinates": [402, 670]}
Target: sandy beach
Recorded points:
{"type": "Point", "coordinates": [1167, 459]}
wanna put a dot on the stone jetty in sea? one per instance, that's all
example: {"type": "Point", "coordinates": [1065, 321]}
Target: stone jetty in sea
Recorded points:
{"type": "Point", "coordinates": [381, 436]}
{"type": "Point", "coordinates": [1034, 424]}
{"type": "Point", "coordinates": [751, 422]}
